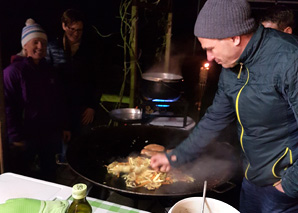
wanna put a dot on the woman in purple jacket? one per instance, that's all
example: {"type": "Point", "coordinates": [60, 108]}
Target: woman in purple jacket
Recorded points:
{"type": "Point", "coordinates": [35, 112]}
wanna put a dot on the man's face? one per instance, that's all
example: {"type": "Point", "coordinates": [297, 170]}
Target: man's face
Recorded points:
{"type": "Point", "coordinates": [73, 31]}
{"type": "Point", "coordinates": [222, 51]}
{"type": "Point", "coordinates": [36, 48]}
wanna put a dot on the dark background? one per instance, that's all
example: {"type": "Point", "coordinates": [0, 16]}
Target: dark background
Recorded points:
{"type": "Point", "coordinates": [104, 15]}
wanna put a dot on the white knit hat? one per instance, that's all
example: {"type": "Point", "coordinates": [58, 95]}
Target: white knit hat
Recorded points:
{"type": "Point", "coordinates": [32, 30]}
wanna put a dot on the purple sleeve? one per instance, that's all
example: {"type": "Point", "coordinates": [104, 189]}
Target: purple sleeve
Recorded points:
{"type": "Point", "coordinates": [13, 102]}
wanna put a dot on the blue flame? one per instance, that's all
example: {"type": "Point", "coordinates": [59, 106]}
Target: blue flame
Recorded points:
{"type": "Point", "coordinates": [162, 105]}
{"type": "Point", "coordinates": [165, 100]}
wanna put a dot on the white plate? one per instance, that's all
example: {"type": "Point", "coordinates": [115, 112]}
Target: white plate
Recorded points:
{"type": "Point", "coordinates": [18, 186]}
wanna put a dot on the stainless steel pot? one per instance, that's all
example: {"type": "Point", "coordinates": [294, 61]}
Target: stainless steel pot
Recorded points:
{"type": "Point", "coordinates": [161, 85]}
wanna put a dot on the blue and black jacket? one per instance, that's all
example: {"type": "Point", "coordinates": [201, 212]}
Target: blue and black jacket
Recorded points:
{"type": "Point", "coordinates": [261, 92]}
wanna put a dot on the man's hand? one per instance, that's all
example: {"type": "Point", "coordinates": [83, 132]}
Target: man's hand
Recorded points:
{"type": "Point", "coordinates": [278, 186]}
{"type": "Point", "coordinates": [160, 162]}
{"type": "Point", "coordinates": [66, 136]}
{"type": "Point", "coordinates": [88, 116]}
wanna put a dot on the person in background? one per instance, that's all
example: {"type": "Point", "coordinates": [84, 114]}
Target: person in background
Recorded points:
{"type": "Point", "coordinates": [34, 107]}
{"type": "Point", "coordinates": [77, 58]}
{"type": "Point", "coordinates": [258, 87]}
{"type": "Point", "coordinates": [279, 17]}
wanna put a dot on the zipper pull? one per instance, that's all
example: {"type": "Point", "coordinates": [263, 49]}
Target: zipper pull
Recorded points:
{"type": "Point", "coordinates": [239, 73]}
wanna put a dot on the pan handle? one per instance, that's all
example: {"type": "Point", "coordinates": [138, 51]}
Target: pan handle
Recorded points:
{"type": "Point", "coordinates": [224, 187]}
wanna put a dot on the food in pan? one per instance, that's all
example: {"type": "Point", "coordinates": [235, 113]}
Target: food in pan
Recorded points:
{"type": "Point", "coordinates": [135, 165]}
{"type": "Point", "coordinates": [137, 173]}
{"type": "Point", "coordinates": [155, 147]}
{"type": "Point", "coordinates": [148, 153]}
{"type": "Point", "coordinates": [152, 149]}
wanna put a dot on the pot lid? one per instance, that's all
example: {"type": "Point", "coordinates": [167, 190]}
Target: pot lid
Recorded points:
{"type": "Point", "coordinates": [126, 114]}
{"type": "Point", "coordinates": [159, 76]}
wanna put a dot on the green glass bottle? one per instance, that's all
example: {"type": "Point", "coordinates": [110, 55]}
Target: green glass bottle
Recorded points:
{"type": "Point", "coordinates": [79, 203]}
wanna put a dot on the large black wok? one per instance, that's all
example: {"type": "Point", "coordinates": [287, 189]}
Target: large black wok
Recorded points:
{"type": "Point", "coordinates": [89, 155]}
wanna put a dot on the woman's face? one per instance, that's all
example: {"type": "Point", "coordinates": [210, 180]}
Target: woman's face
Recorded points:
{"type": "Point", "coordinates": [36, 48]}
{"type": "Point", "coordinates": [73, 31]}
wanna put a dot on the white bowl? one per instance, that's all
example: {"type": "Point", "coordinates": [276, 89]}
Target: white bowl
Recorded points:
{"type": "Point", "coordinates": [194, 205]}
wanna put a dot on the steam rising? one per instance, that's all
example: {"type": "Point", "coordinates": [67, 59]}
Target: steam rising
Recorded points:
{"type": "Point", "coordinates": [174, 66]}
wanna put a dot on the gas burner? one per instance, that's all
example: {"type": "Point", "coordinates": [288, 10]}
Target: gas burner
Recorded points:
{"type": "Point", "coordinates": [177, 107]}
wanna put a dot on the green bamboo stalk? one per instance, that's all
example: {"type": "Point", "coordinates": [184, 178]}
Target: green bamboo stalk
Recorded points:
{"type": "Point", "coordinates": [133, 53]}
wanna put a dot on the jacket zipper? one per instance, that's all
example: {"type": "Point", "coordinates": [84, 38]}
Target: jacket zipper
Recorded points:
{"type": "Point", "coordinates": [237, 104]}
{"type": "Point", "coordinates": [237, 110]}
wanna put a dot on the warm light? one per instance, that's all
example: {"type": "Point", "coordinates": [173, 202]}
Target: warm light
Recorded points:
{"type": "Point", "coordinates": [207, 65]}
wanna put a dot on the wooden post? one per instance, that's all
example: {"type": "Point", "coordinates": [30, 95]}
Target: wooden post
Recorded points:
{"type": "Point", "coordinates": [202, 84]}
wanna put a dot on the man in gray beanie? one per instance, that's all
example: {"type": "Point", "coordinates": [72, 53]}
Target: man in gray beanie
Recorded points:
{"type": "Point", "coordinates": [258, 88]}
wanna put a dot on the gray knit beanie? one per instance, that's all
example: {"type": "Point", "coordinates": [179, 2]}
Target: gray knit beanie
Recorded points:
{"type": "Point", "coordinates": [223, 19]}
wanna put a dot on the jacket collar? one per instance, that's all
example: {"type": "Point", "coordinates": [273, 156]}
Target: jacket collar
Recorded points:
{"type": "Point", "coordinates": [252, 47]}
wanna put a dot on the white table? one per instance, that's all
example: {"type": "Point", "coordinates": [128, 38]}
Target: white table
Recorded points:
{"type": "Point", "coordinates": [18, 186]}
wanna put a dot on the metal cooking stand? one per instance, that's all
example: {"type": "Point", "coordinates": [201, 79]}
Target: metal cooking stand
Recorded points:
{"type": "Point", "coordinates": [152, 110]}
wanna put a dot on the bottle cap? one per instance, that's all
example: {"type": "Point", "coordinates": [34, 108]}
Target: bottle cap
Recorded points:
{"type": "Point", "coordinates": [79, 191]}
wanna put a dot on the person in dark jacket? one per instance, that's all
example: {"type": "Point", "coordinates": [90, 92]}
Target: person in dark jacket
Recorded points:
{"type": "Point", "coordinates": [258, 87]}
{"type": "Point", "coordinates": [34, 107]}
{"type": "Point", "coordinates": [77, 57]}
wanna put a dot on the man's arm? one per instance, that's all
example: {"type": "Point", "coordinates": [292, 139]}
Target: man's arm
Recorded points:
{"type": "Point", "coordinates": [218, 116]}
